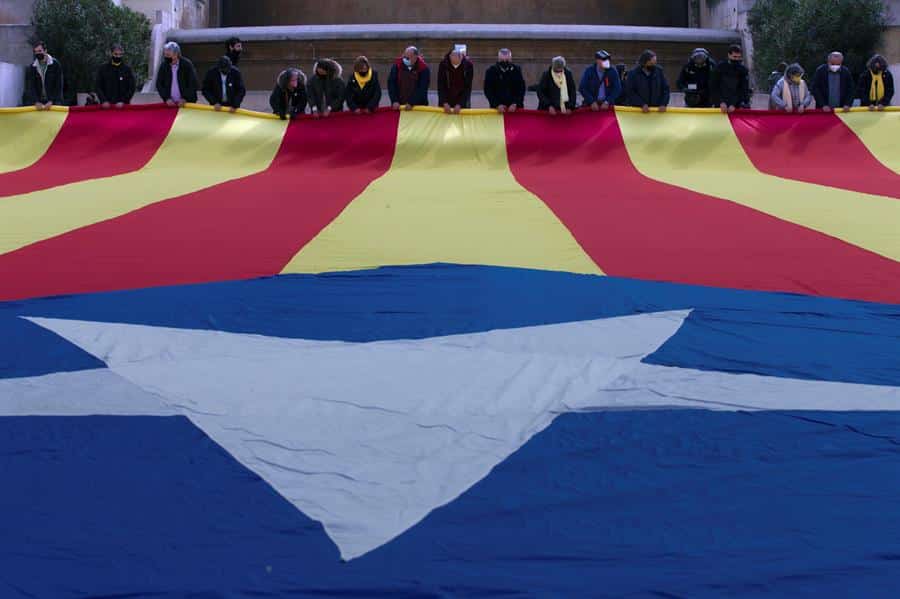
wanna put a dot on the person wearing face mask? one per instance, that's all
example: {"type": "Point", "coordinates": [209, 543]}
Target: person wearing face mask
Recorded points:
{"type": "Point", "coordinates": [600, 86]}
{"type": "Point", "coordinates": [504, 85]}
{"type": "Point", "coordinates": [233, 49]}
{"type": "Point", "coordinates": [455, 74]}
{"type": "Point", "coordinates": [876, 85]}
{"type": "Point", "coordinates": [646, 84]}
{"type": "Point", "coordinates": [43, 80]}
{"type": "Point", "coordinates": [326, 88]}
{"type": "Point", "coordinates": [408, 80]}
{"type": "Point", "coordinates": [694, 79]}
{"type": "Point", "coordinates": [791, 93]}
{"type": "Point", "coordinates": [730, 82]}
{"type": "Point", "coordinates": [832, 85]}
{"type": "Point", "coordinates": [223, 85]}
{"type": "Point", "coordinates": [556, 90]}
{"type": "Point", "coordinates": [288, 97]}
{"type": "Point", "coordinates": [115, 85]}
{"type": "Point", "coordinates": [363, 91]}
{"type": "Point", "coordinates": [176, 79]}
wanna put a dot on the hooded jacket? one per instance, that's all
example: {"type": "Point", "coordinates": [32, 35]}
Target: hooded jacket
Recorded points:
{"type": "Point", "coordinates": [455, 84]}
{"type": "Point", "coordinates": [820, 87]}
{"type": "Point", "coordinates": [421, 76]}
{"type": "Point", "coordinates": [865, 83]}
{"type": "Point", "coordinates": [504, 85]}
{"type": "Point", "coordinates": [643, 89]}
{"type": "Point", "coordinates": [326, 91]}
{"type": "Point", "coordinates": [288, 103]}
{"type": "Point", "coordinates": [48, 88]}
{"type": "Point", "coordinates": [187, 80]}
{"type": "Point", "coordinates": [694, 81]}
{"type": "Point", "coordinates": [730, 83]}
{"type": "Point", "coordinates": [590, 85]}
{"type": "Point", "coordinates": [366, 98]}
{"type": "Point", "coordinates": [234, 82]}
{"type": "Point", "coordinates": [115, 83]}
{"type": "Point", "coordinates": [549, 94]}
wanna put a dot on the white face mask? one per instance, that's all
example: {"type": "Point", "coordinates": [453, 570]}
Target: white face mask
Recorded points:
{"type": "Point", "coordinates": [605, 64]}
{"type": "Point", "coordinates": [834, 68]}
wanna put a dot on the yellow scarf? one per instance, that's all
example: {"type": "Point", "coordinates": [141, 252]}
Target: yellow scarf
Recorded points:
{"type": "Point", "coordinates": [363, 80]}
{"type": "Point", "coordinates": [560, 80]}
{"type": "Point", "coordinates": [876, 90]}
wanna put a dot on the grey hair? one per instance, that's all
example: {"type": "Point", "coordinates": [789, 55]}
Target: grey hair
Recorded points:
{"type": "Point", "coordinates": [558, 61]}
{"type": "Point", "coordinates": [504, 52]}
{"type": "Point", "coordinates": [174, 47]}
{"type": "Point", "coordinates": [836, 54]}
{"type": "Point", "coordinates": [414, 50]}
{"type": "Point", "coordinates": [794, 69]}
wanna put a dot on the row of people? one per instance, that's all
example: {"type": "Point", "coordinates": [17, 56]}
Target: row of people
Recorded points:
{"type": "Point", "coordinates": [704, 82]}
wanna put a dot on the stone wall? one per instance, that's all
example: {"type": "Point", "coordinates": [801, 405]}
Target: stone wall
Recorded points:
{"type": "Point", "coordinates": [663, 13]}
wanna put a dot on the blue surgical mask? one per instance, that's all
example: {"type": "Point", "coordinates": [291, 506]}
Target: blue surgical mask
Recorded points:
{"type": "Point", "coordinates": [407, 61]}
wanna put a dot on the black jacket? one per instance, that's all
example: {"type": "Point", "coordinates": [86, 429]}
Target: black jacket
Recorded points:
{"type": "Point", "coordinates": [288, 103]}
{"type": "Point", "coordinates": [327, 91]}
{"type": "Point", "coordinates": [212, 87]}
{"type": "Point", "coordinates": [504, 86]}
{"type": "Point", "coordinates": [447, 95]}
{"type": "Point", "coordinates": [422, 74]}
{"type": "Point", "coordinates": [50, 89]}
{"type": "Point", "coordinates": [187, 80]}
{"type": "Point", "coordinates": [730, 83]}
{"type": "Point", "coordinates": [820, 87]}
{"type": "Point", "coordinates": [865, 84]}
{"type": "Point", "coordinates": [115, 84]}
{"type": "Point", "coordinates": [642, 89]}
{"type": "Point", "coordinates": [549, 94]}
{"type": "Point", "coordinates": [365, 98]}
{"type": "Point", "coordinates": [694, 82]}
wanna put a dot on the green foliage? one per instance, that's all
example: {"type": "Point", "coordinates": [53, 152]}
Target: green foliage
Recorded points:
{"type": "Point", "coordinates": [805, 31]}
{"type": "Point", "coordinates": [79, 32]}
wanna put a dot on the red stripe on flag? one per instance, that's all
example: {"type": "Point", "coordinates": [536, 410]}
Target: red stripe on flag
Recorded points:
{"type": "Point", "coordinates": [244, 228]}
{"type": "Point", "coordinates": [92, 145]}
{"type": "Point", "coordinates": [633, 226]}
{"type": "Point", "coordinates": [813, 147]}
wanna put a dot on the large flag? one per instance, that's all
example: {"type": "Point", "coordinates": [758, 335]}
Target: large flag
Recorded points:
{"type": "Point", "coordinates": [438, 355]}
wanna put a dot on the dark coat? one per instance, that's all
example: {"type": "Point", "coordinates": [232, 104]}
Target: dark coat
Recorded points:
{"type": "Point", "coordinates": [697, 77]}
{"type": "Point", "coordinates": [505, 87]}
{"type": "Point", "coordinates": [590, 85]}
{"type": "Point", "coordinates": [423, 80]}
{"type": "Point", "coordinates": [730, 83]}
{"type": "Point", "coordinates": [187, 80]}
{"type": "Point", "coordinates": [327, 91]}
{"type": "Point", "coordinates": [288, 103]}
{"type": "Point", "coordinates": [365, 98]}
{"type": "Point", "coordinates": [865, 83]}
{"type": "Point", "coordinates": [50, 89]}
{"type": "Point", "coordinates": [820, 86]}
{"type": "Point", "coordinates": [548, 92]}
{"type": "Point", "coordinates": [212, 87]}
{"type": "Point", "coordinates": [446, 93]}
{"type": "Point", "coordinates": [115, 84]}
{"type": "Point", "coordinates": [642, 89]}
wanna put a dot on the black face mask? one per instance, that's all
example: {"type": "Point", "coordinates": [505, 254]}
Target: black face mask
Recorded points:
{"type": "Point", "coordinates": [321, 76]}
{"type": "Point", "coordinates": [168, 59]}
{"type": "Point", "coordinates": [39, 55]}
{"type": "Point", "coordinates": [735, 61]}
{"type": "Point", "coordinates": [116, 61]}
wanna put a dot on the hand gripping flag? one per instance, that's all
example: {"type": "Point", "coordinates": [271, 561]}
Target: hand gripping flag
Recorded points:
{"type": "Point", "coordinates": [437, 355]}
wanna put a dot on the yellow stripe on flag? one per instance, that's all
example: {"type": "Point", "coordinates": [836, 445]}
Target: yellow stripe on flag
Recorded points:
{"type": "Point", "coordinates": [25, 136]}
{"type": "Point", "coordinates": [448, 197]}
{"type": "Point", "coordinates": [202, 149]}
{"type": "Point", "coordinates": [701, 152]}
{"type": "Point", "coordinates": [880, 132]}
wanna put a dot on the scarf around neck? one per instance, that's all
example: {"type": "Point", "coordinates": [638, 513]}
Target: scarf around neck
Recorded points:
{"type": "Point", "coordinates": [560, 80]}
{"type": "Point", "coordinates": [876, 90]}
{"type": "Point", "coordinates": [362, 80]}
{"type": "Point", "coordinates": [802, 90]}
